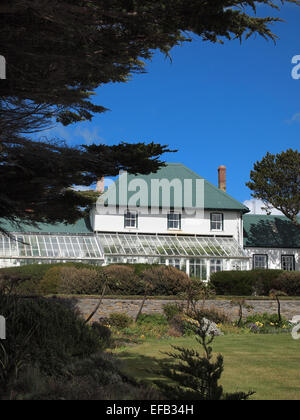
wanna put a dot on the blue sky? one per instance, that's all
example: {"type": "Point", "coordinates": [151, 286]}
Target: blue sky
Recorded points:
{"type": "Point", "coordinates": [217, 104]}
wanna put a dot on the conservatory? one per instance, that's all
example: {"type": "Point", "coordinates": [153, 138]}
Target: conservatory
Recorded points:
{"type": "Point", "coordinates": [20, 249]}
{"type": "Point", "coordinates": [198, 256]}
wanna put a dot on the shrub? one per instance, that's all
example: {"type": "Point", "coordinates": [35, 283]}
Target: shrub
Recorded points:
{"type": "Point", "coordinates": [166, 281]}
{"type": "Point", "coordinates": [213, 314]}
{"type": "Point", "coordinates": [171, 310]}
{"type": "Point", "coordinates": [43, 332]}
{"type": "Point", "coordinates": [123, 280]}
{"type": "Point", "coordinates": [50, 282]}
{"type": "Point", "coordinates": [120, 320]}
{"type": "Point", "coordinates": [288, 282]}
{"type": "Point", "coordinates": [82, 281]}
{"type": "Point", "coordinates": [245, 283]}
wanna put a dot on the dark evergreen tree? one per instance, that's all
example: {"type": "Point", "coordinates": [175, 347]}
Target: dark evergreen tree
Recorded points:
{"type": "Point", "coordinates": [276, 181]}
{"type": "Point", "coordinates": [196, 377]}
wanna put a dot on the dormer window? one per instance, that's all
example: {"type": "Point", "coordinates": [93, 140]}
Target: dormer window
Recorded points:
{"type": "Point", "coordinates": [216, 221]}
{"type": "Point", "coordinates": [131, 220]}
{"type": "Point", "coordinates": [174, 221]}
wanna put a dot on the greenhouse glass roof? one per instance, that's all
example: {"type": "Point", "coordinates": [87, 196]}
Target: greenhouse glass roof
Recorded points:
{"type": "Point", "coordinates": [166, 246]}
{"type": "Point", "coordinates": [50, 246]}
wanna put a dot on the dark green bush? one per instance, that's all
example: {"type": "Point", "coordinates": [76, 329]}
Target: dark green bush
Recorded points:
{"type": "Point", "coordinates": [288, 282]}
{"type": "Point", "coordinates": [245, 283]}
{"type": "Point", "coordinates": [50, 282]}
{"type": "Point", "coordinates": [120, 320]}
{"type": "Point", "coordinates": [44, 332]}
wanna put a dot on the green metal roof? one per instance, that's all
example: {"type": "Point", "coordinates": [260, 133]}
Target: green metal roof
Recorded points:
{"type": "Point", "coordinates": [214, 198]}
{"type": "Point", "coordinates": [82, 226]}
{"type": "Point", "coordinates": [263, 231]}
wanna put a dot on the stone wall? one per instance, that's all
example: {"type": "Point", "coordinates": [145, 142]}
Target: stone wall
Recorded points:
{"type": "Point", "coordinates": [289, 308]}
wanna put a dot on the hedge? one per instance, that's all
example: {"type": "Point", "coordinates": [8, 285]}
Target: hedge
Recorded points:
{"type": "Point", "coordinates": [86, 279]}
{"type": "Point", "coordinates": [256, 282]}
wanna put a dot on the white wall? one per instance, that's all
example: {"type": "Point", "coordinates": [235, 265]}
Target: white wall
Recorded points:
{"type": "Point", "coordinates": [274, 256]}
{"type": "Point", "coordinates": [199, 225]}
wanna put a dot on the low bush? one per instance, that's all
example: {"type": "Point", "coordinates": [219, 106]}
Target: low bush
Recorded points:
{"type": "Point", "coordinates": [212, 314]}
{"type": "Point", "coordinates": [83, 281]}
{"type": "Point", "coordinates": [123, 280]}
{"type": "Point", "coordinates": [43, 332]}
{"type": "Point", "coordinates": [245, 283]}
{"type": "Point", "coordinates": [120, 320]}
{"type": "Point", "coordinates": [50, 283]}
{"type": "Point", "coordinates": [171, 310]}
{"type": "Point", "coordinates": [165, 280]}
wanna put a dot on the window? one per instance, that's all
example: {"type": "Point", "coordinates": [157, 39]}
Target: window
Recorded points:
{"type": "Point", "coordinates": [198, 269]}
{"type": "Point", "coordinates": [130, 220]}
{"type": "Point", "coordinates": [216, 221]}
{"type": "Point", "coordinates": [175, 263]}
{"type": "Point", "coordinates": [174, 221]}
{"type": "Point", "coordinates": [260, 261]}
{"type": "Point", "coordinates": [288, 262]}
{"type": "Point", "coordinates": [215, 266]}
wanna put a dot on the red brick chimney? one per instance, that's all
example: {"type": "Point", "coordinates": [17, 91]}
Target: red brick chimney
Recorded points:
{"type": "Point", "coordinates": [222, 178]}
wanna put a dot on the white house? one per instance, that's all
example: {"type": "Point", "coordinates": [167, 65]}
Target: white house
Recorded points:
{"type": "Point", "coordinates": [172, 217]}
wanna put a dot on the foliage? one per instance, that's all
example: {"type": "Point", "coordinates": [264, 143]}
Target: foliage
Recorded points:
{"type": "Point", "coordinates": [171, 310]}
{"type": "Point", "coordinates": [120, 320]}
{"type": "Point", "coordinates": [244, 283]}
{"type": "Point", "coordinates": [51, 281]}
{"type": "Point", "coordinates": [123, 280]}
{"type": "Point", "coordinates": [196, 290]}
{"type": "Point", "coordinates": [165, 280]}
{"type": "Point", "coordinates": [212, 314]}
{"type": "Point", "coordinates": [99, 42]}
{"type": "Point", "coordinates": [95, 378]}
{"type": "Point", "coordinates": [267, 324]}
{"type": "Point", "coordinates": [42, 176]}
{"type": "Point", "coordinates": [275, 180]}
{"type": "Point", "coordinates": [45, 332]}
{"type": "Point", "coordinates": [83, 281]}
{"type": "Point", "coordinates": [196, 377]}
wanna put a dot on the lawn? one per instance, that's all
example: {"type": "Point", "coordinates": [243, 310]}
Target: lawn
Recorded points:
{"type": "Point", "coordinates": [267, 364]}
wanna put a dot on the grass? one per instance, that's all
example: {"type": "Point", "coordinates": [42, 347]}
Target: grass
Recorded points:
{"type": "Point", "coordinates": [267, 364]}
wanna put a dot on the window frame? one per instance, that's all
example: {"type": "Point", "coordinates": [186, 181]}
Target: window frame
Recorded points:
{"type": "Point", "coordinates": [214, 221]}
{"type": "Point", "coordinates": [290, 256]}
{"type": "Point", "coordinates": [173, 213]}
{"type": "Point", "coordinates": [260, 255]}
{"type": "Point", "coordinates": [128, 217]}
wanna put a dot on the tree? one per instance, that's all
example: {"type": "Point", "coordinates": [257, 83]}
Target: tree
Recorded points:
{"type": "Point", "coordinates": [276, 181]}
{"type": "Point", "coordinates": [58, 52]}
{"type": "Point", "coordinates": [276, 294]}
{"type": "Point", "coordinates": [241, 303]}
{"type": "Point", "coordinates": [37, 178]}
{"type": "Point", "coordinates": [196, 377]}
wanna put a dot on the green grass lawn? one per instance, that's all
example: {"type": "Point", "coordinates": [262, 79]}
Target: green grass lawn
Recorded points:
{"type": "Point", "coordinates": [267, 364]}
